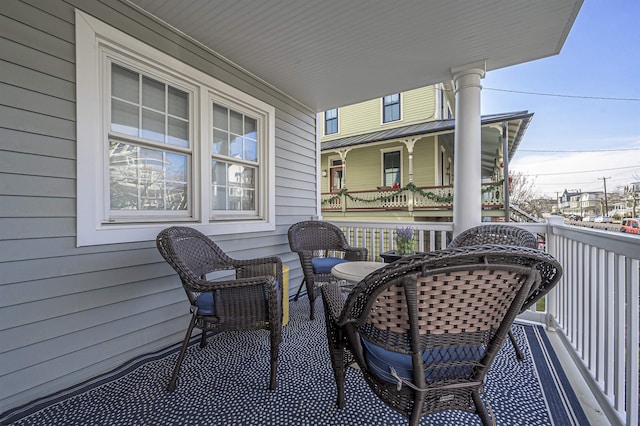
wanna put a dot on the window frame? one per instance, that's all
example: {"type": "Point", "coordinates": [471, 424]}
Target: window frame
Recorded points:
{"type": "Point", "coordinates": [391, 104]}
{"type": "Point", "coordinates": [332, 119]}
{"type": "Point", "coordinates": [95, 38]}
{"type": "Point", "coordinates": [383, 153]}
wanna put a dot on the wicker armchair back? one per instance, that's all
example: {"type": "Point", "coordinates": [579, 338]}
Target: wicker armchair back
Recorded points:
{"type": "Point", "coordinates": [495, 234]}
{"type": "Point", "coordinates": [251, 298]}
{"type": "Point", "coordinates": [314, 240]}
{"type": "Point", "coordinates": [425, 329]}
{"type": "Point", "coordinates": [505, 235]}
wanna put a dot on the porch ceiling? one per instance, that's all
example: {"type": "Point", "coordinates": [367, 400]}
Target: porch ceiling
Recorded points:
{"type": "Point", "coordinates": [333, 53]}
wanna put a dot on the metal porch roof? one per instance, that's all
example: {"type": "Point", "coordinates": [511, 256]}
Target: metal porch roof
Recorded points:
{"type": "Point", "coordinates": [517, 125]}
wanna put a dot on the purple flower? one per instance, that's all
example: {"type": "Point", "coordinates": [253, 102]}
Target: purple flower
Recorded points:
{"type": "Point", "coordinates": [405, 240]}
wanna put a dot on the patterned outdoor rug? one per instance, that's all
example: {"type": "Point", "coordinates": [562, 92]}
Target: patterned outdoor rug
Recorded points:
{"type": "Point", "coordinates": [227, 384]}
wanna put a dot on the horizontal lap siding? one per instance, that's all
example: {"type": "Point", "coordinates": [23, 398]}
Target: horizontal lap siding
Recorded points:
{"type": "Point", "coordinates": [68, 313]}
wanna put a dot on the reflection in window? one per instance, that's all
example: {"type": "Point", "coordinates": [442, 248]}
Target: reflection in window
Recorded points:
{"type": "Point", "coordinates": [232, 187]}
{"type": "Point", "coordinates": [234, 165]}
{"type": "Point", "coordinates": [146, 179]}
{"type": "Point", "coordinates": [151, 172]}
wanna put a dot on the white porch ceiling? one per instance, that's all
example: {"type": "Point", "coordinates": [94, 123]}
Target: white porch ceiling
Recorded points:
{"type": "Point", "coordinates": [332, 53]}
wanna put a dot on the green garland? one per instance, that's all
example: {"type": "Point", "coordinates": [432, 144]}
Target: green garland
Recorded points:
{"type": "Point", "coordinates": [447, 199]}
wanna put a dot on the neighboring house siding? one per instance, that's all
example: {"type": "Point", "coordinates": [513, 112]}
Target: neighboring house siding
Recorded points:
{"type": "Point", "coordinates": [416, 106]}
{"type": "Point", "coordinates": [424, 162]}
{"type": "Point", "coordinates": [70, 313]}
{"type": "Point", "coordinates": [364, 165]}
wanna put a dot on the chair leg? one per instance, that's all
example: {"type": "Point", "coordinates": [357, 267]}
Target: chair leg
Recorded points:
{"type": "Point", "coordinates": [203, 339]}
{"type": "Point", "coordinates": [519, 354]}
{"type": "Point", "coordinates": [295, 299]}
{"type": "Point", "coordinates": [275, 348]}
{"type": "Point", "coordinates": [339, 374]}
{"type": "Point", "coordinates": [174, 378]}
{"type": "Point", "coordinates": [481, 410]}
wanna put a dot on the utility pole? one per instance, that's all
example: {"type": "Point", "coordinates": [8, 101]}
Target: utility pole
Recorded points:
{"type": "Point", "coordinates": [606, 205]}
{"type": "Point", "coordinates": [558, 202]}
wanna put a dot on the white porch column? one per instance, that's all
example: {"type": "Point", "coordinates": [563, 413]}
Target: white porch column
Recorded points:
{"type": "Point", "coordinates": [467, 195]}
{"type": "Point", "coordinates": [410, 143]}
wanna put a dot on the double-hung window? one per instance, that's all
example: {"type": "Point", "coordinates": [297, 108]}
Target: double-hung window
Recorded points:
{"type": "Point", "coordinates": [234, 161]}
{"type": "Point", "coordinates": [150, 146]}
{"type": "Point", "coordinates": [391, 108]}
{"type": "Point", "coordinates": [331, 121]}
{"type": "Point", "coordinates": [161, 143]}
{"type": "Point", "coordinates": [391, 168]}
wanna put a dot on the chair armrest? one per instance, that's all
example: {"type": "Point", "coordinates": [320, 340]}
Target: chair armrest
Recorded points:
{"type": "Point", "coordinates": [206, 286]}
{"type": "Point", "coordinates": [333, 300]}
{"type": "Point", "coordinates": [356, 253]}
{"type": "Point", "coordinates": [259, 267]}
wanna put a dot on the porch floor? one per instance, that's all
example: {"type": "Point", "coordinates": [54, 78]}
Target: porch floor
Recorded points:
{"type": "Point", "coordinates": [590, 405]}
{"type": "Point", "coordinates": [223, 385]}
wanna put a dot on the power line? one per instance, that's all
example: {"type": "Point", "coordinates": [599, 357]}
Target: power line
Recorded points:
{"type": "Point", "coordinates": [583, 171]}
{"type": "Point", "coordinates": [557, 95]}
{"type": "Point", "coordinates": [578, 150]}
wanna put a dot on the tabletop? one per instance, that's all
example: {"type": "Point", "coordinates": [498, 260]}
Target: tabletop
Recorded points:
{"type": "Point", "coordinates": [355, 271]}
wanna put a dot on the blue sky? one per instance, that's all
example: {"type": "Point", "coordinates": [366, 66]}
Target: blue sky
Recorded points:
{"type": "Point", "coordinates": [600, 58]}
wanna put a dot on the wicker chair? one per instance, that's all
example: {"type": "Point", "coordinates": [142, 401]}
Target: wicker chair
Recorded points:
{"type": "Point", "coordinates": [251, 300]}
{"type": "Point", "coordinates": [505, 235]}
{"type": "Point", "coordinates": [320, 246]}
{"type": "Point", "coordinates": [424, 330]}
{"type": "Point", "coordinates": [495, 234]}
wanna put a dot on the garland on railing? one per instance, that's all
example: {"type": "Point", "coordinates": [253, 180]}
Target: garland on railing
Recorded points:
{"type": "Point", "coordinates": [446, 199]}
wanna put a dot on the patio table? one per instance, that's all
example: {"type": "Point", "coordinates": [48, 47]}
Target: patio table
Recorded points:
{"type": "Point", "coordinates": [355, 271]}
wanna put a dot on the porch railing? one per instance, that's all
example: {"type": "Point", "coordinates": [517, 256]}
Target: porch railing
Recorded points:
{"type": "Point", "coordinates": [409, 198]}
{"type": "Point", "coordinates": [594, 308]}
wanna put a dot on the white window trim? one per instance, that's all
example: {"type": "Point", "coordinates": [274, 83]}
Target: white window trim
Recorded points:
{"type": "Point", "coordinates": [384, 151]}
{"type": "Point", "coordinates": [90, 35]}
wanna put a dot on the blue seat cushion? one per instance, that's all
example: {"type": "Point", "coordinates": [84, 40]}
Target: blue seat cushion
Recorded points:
{"type": "Point", "coordinates": [207, 306]}
{"type": "Point", "coordinates": [323, 265]}
{"type": "Point", "coordinates": [380, 361]}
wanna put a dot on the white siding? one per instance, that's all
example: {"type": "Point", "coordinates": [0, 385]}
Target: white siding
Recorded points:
{"type": "Point", "coordinates": [68, 313]}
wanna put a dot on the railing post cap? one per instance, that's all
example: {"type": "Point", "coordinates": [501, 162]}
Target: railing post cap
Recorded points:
{"type": "Point", "coordinates": [555, 220]}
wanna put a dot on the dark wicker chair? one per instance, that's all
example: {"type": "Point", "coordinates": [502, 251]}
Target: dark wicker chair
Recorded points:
{"type": "Point", "coordinates": [424, 330]}
{"type": "Point", "coordinates": [495, 234]}
{"type": "Point", "coordinates": [250, 300]}
{"type": "Point", "coordinates": [320, 245]}
{"type": "Point", "coordinates": [505, 235]}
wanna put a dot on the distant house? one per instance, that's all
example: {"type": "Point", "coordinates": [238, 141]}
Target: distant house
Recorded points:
{"type": "Point", "coordinates": [576, 202]}
{"type": "Point", "coordinates": [393, 157]}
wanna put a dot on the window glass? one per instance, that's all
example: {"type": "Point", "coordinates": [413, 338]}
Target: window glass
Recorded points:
{"type": "Point", "coordinates": [391, 108]}
{"type": "Point", "coordinates": [148, 119]}
{"type": "Point", "coordinates": [391, 168]}
{"type": "Point", "coordinates": [331, 121]}
{"type": "Point", "coordinates": [234, 163]}
{"type": "Point", "coordinates": [145, 174]}
{"type": "Point", "coordinates": [146, 179]}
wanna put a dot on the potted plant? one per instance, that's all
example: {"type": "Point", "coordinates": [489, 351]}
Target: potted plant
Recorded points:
{"type": "Point", "coordinates": [404, 240]}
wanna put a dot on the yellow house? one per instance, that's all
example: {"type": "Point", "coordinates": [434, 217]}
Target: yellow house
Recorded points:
{"type": "Point", "coordinates": [393, 157]}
